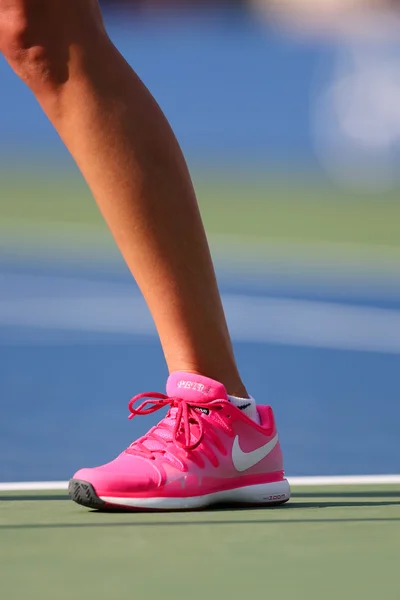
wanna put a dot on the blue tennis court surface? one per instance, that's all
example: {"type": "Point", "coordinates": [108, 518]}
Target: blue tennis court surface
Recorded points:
{"type": "Point", "coordinates": [77, 343]}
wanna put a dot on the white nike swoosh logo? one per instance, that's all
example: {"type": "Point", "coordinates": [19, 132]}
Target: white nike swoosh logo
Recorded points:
{"type": "Point", "coordinates": [245, 460]}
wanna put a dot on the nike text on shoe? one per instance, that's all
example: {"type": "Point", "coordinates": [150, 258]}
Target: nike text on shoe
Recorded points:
{"type": "Point", "coordinates": [204, 452]}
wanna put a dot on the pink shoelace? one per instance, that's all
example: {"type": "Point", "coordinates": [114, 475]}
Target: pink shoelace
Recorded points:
{"type": "Point", "coordinates": [185, 418]}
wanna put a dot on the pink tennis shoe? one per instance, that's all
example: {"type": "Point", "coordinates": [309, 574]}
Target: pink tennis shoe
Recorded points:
{"type": "Point", "coordinates": [205, 451]}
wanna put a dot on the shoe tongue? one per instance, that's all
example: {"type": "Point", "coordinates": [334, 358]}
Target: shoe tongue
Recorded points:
{"type": "Point", "coordinates": [195, 388]}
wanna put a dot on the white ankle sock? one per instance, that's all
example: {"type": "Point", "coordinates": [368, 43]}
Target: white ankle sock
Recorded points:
{"type": "Point", "coordinates": [248, 406]}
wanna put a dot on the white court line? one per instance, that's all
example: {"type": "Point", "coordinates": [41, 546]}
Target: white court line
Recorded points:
{"type": "Point", "coordinates": [294, 481]}
{"type": "Point", "coordinates": [61, 305]}
{"type": "Point", "coordinates": [34, 486]}
{"type": "Point", "coordinates": [346, 480]}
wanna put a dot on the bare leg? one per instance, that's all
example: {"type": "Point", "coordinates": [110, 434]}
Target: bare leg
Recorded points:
{"type": "Point", "coordinates": [132, 162]}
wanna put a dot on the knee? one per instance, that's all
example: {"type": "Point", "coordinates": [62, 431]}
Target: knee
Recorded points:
{"type": "Point", "coordinates": [30, 43]}
{"type": "Point", "coordinates": [35, 37]}
{"type": "Point", "coordinates": [14, 26]}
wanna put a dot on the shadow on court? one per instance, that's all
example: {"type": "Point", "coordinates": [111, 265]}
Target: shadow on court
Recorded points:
{"type": "Point", "coordinates": [32, 498]}
{"type": "Point", "coordinates": [389, 498]}
{"type": "Point", "coordinates": [200, 523]}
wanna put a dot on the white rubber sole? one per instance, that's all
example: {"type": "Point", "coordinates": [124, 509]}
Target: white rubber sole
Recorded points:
{"type": "Point", "coordinates": [261, 494]}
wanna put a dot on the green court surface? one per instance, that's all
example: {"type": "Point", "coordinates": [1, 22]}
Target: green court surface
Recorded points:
{"type": "Point", "coordinates": [330, 543]}
{"type": "Point", "coordinates": [280, 210]}
{"type": "Point", "coordinates": [253, 224]}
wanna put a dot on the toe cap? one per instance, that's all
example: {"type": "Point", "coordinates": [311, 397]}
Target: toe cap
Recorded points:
{"type": "Point", "coordinates": [126, 475]}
